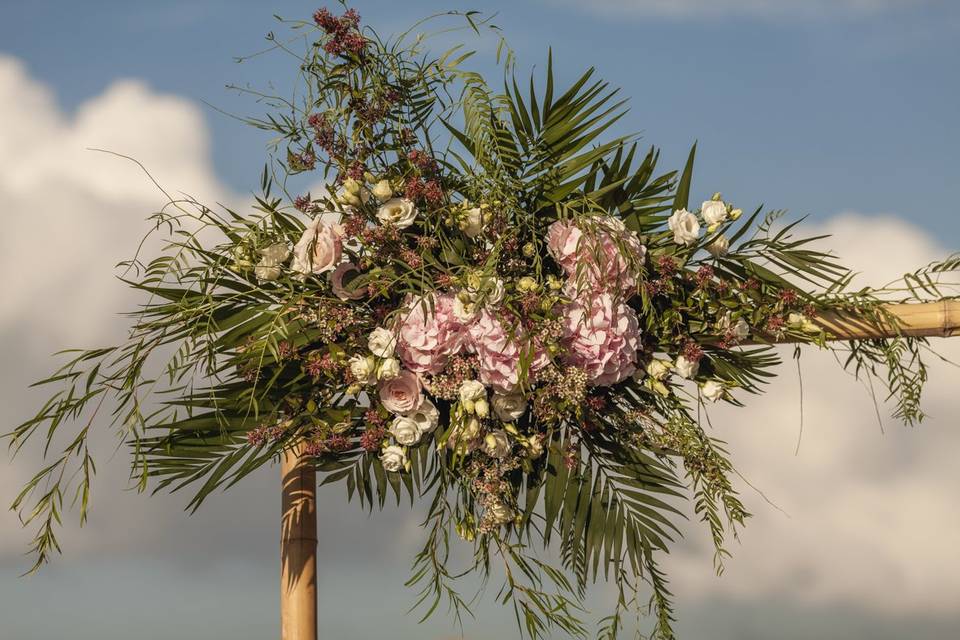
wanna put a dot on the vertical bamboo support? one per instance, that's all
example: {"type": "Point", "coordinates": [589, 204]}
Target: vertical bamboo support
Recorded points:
{"type": "Point", "coordinates": [298, 549]}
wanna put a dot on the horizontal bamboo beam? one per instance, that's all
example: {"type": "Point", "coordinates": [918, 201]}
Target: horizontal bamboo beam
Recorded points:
{"type": "Point", "coordinates": [923, 319]}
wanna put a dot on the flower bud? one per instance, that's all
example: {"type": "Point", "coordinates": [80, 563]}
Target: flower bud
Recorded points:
{"type": "Point", "coordinates": [526, 283]}
{"type": "Point", "coordinates": [736, 213]}
{"type": "Point", "coordinates": [481, 408]}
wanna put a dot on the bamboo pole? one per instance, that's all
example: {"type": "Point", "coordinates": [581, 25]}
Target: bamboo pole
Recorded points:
{"type": "Point", "coordinates": [923, 319]}
{"type": "Point", "coordinates": [298, 545]}
{"type": "Point", "coordinates": [298, 548]}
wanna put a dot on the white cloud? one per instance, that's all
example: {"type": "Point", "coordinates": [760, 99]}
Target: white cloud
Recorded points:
{"type": "Point", "coordinates": [767, 9]}
{"type": "Point", "coordinates": [70, 214]}
{"type": "Point", "coordinates": [872, 517]}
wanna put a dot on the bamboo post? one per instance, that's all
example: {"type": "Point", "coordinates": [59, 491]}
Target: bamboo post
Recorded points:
{"type": "Point", "coordinates": [298, 548]}
{"type": "Point", "coordinates": [298, 545]}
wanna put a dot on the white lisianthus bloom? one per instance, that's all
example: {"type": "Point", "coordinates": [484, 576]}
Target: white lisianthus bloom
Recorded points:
{"type": "Point", "coordinates": [686, 368]}
{"type": "Point", "coordinates": [399, 212]}
{"type": "Point", "coordinates": [271, 258]}
{"type": "Point", "coordinates": [426, 416]}
{"type": "Point", "coordinates": [712, 390]}
{"type": "Point", "coordinates": [713, 211]}
{"type": "Point", "coordinates": [382, 342]}
{"type": "Point", "coordinates": [500, 513]}
{"type": "Point", "coordinates": [535, 447]}
{"type": "Point", "coordinates": [685, 227]}
{"type": "Point", "coordinates": [719, 247]}
{"type": "Point", "coordinates": [388, 369]}
{"type": "Point", "coordinates": [658, 369]}
{"type": "Point", "coordinates": [472, 390]}
{"type": "Point", "coordinates": [472, 223]}
{"type": "Point", "coordinates": [509, 406]}
{"type": "Point", "coordinates": [495, 293]}
{"type": "Point", "coordinates": [464, 435]}
{"type": "Point", "coordinates": [497, 444]}
{"type": "Point", "coordinates": [382, 190]}
{"type": "Point", "coordinates": [405, 430]}
{"type": "Point", "coordinates": [393, 458]}
{"type": "Point", "coordinates": [362, 368]}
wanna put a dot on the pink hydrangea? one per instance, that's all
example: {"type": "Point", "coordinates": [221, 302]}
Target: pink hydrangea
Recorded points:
{"type": "Point", "coordinates": [602, 257]}
{"type": "Point", "coordinates": [499, 353]}
{"type": "Point", "coordinates": [563, 244]}
{"type": "Point", "coordinates": [603, 338]}
{"type": "Point", "coordinates": [429, 333]}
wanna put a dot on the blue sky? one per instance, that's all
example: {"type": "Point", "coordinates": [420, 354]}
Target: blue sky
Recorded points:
{"type": "Point", "coordinates": [819, 112]}
{"type": "Point", "coordinates": [845, 110]}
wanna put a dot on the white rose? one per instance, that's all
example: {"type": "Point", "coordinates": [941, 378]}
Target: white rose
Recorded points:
{"type": "Point", "coordinates": [472, 222]}
{"type": "Point", "coordinates": [320, 248]}
{"type": "Point", "coordinates": [741, 329]}
{"type": "Point", "coordinates": [388, 369]}
{"type": "Point", "coordinates": [713, 211]}
{"type": "Point", "coordinates": [471, 391]}
{"type": "Point", "coordinates": [383, 191]}
{"type": "Point", "coordinates": [712, 390]}
{"type": "Point", "coordinates": [271, 258]}
{"type": "Point", "coordinates": [382, 342]}
{"type": "Point", "coordinates": [686, 368]}
{"type": "Point", "coordinates": [405, 430]}
{"type": "Point", "coordinates": [497, 443]}
{"type": "Point", "coordinates": [362, 368]}
{"type": "Point", "coordinates": [393, 458]}
{"type": "Point", "coordinates": [426, 416]}
{"type": "Point", "coordinates": [399, 212]}
{"type": "Point", "coordinates": [685, 227]}
{"type": "Point", "coordinates": [719, 247]}
{"type": "Point", "coordinates": [509, 406]}
{"type": "Point", "coordinates": [465, 312]}
{"type": "Point", "coordinates": [658, 369]}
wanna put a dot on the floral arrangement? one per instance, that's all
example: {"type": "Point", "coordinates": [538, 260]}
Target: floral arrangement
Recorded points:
{"type": "Point", "coordinates": [487, 305]}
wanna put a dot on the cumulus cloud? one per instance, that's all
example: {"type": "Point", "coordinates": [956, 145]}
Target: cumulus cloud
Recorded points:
{"type": "Point", "coordinates": [70, 214]}
{"type": "Point", "coordinates": [767, 9]}
{"type": "Point", "coordinates": [870, 515]}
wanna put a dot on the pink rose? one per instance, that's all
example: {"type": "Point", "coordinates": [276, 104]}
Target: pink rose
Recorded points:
{"type": "Point", "coordinates": [603, 338]}
{"type": "Point", "coordinates": [319, 249]}
{"type": "Point", "coordinates": [499, 353]}
{"type": "Point", "coordinates": [345, 271]}
{"type": "Point", "coordinates": [429, 333]}
{"type": "Point", "coordinates": [402, 394]}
